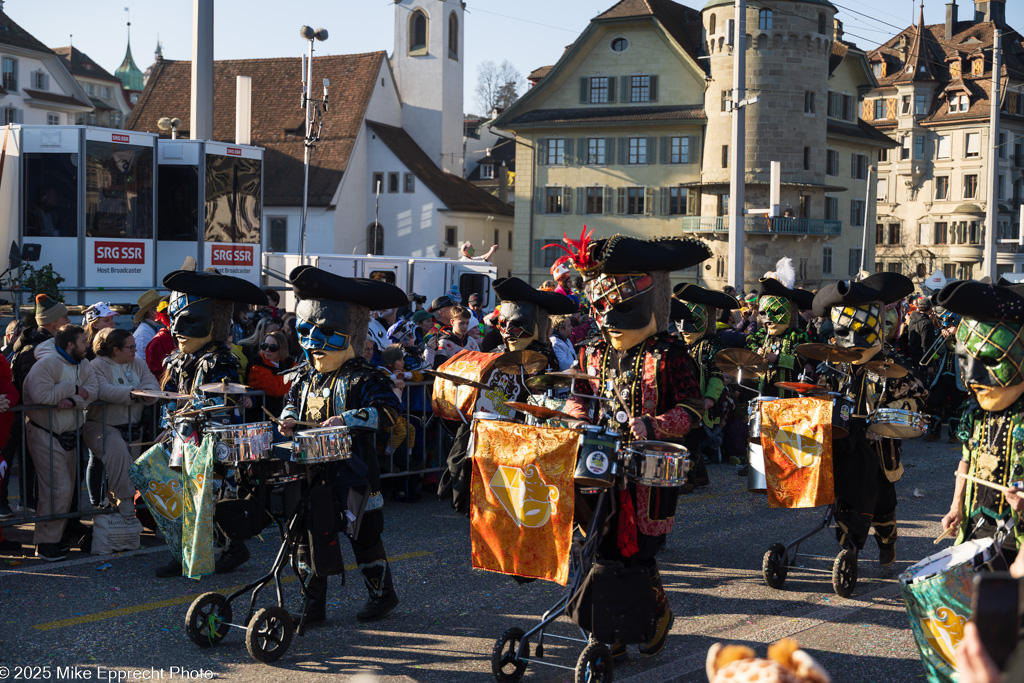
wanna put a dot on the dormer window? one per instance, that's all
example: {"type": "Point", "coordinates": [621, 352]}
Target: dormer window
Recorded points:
{"type": "Point", "coordinates": [418, 33]}
{"type": "Point", "coordinates": [978, 65]}
{"type": "Point", "coordinates": [876, 69]}
{"type": "Point", "coordinates": [40, 80]}
{"type": "Point", "coordinates": [958, 103]}
{"type": "Point", "coordinates": [955, 68]}
{"type": "Point", "coordinates": [453, 36]}
{"type": "Point", "coordinates": [486, 171]}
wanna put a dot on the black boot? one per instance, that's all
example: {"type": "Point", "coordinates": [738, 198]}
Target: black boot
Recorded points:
{"type": "Point", "coordinates": [232, 558]}
{"type": "Point", "coordinates": [381, 589]}
{"type": "Point", "coordinates": [168, 570]}
{"type": "Point", "coordinates": [316, 601]}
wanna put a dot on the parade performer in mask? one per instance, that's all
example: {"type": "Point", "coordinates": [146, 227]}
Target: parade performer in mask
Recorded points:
{"type": "Point", "coordinates": [655, 384]}
{"type": "Point", "coordinates": [866, 467]}
{"type": "Point", "coordinates": [336, 386]}
{"type": "Point", "coordinates": [990, 349]}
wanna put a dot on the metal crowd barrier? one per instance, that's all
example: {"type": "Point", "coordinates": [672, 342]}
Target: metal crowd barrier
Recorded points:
{"type": "Point", "coordinates": [413, 458]}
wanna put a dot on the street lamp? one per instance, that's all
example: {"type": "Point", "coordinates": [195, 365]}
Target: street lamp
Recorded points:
{"type": "Point", "coordinates": [167, 123]}
{"type": "Point", "coordinates": [314, 122]}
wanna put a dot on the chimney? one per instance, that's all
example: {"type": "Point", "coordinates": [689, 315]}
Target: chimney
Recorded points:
{"type": "Point", "coordinates": [990, 10]}
{"type": "Point", "coordinates": [951, 19]}
{"type": "Point", "coordinates": [202, 70]}
{"type": "Point", "coordinates": [503, 183]}
{"type": "Point", "coordinates": [243, 110]}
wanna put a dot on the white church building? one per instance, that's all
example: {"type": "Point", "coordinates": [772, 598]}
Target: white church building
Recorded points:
{"type": "Point", "coordinates": [386, 177]}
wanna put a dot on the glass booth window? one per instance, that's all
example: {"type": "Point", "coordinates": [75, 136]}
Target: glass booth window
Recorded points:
{"type": "Point", "coordinates": [233, 189]}
{"type": "Point", "coordinates": [178, 204]}
{"type": "Point", "coordinates": [51, 195]}
{"type": "Point", "coordinates": [118, 190]}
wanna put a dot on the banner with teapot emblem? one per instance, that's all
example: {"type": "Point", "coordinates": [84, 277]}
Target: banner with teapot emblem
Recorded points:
{"type": "Point", "coordinates": [796, 434]}
{"type": "Point", "coordinates": [522, 500]}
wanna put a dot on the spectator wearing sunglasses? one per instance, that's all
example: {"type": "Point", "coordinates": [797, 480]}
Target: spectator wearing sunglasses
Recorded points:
{"type": "Point", "coordinates": [263, 371]}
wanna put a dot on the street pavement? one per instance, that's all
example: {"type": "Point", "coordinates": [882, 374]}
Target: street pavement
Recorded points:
{"type": "Point", "coordinates": [119, 622]}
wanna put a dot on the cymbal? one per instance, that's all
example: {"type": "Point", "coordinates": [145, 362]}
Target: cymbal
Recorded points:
{"type": "Point", "coordinates": [529, 361]}
{"type": "Point", "coordinates": [802, 387]}
{"type": "Point", "coordinates": [734, 361]}
{"type": "Point", "coordinates": [828, 353]}
{"type": "Point", "coordinates": [549, 380]}
{"type": "Point", "coordinates": [455, 379]}
{"type": "Point", "coordinates": [200, 411]}
{"type": "Point", "coordinates": [886, 368]}
{"type": "Point", "coordinates": [150, 393]}
{"type": "Point", "coordinates": [540, 412]}
{"type": "Point", "coordinates": [223, 388]}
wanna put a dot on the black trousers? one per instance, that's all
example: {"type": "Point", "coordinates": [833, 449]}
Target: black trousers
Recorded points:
{"type": "Point", "coordinates": [864, 495]}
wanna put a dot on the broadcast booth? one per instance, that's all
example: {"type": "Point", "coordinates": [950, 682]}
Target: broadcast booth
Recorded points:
{"type": "Point", "coordinates": [115, 210]}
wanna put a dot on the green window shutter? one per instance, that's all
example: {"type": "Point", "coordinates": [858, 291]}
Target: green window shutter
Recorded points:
{"type": "Point", "coordinates": [665, 149]}
{"type": "Point", "coordinates": [654, 88]}
{"type": "Point", "coordinates": [542, 152]}
{"type": "Point", "coordinates": [581, 199]}
{"type": "Point", "coordinates": [608, 200]}
{"type": "Point", "coordinates": [584, 91]}
{"type": "Point", "coordinates": [623, 150]}
{"type": "Point", "coordinates": [568, 151]}
{"type": "Point", "coordinates": [539, 204]}
{"type": "Point", "coordinates": [566, 200]}
{"type": "Point", "coordinates": [609, 151]}
{"type": "Point", "coordinates": [620, 200]}
{"type": "Point", "coordinates": [693, 202]}
{"type": "Point", "coordinates": [627, 94]}
{"type": "Point", "coordinates": [694, 155]}
{"type": "Point", "coordinates": [649, 199]}
{"type": "Point", "coordinates": [611, 89]}
{"type": "Point", "coordinates": [652, 150]}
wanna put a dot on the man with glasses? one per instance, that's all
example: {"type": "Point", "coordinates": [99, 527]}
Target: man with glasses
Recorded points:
{"type": "Point", "coordinates": [337, 387]}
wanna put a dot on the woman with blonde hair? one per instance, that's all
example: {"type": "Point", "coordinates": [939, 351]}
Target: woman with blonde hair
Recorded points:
{"type": "Point", "coordinates": [251, 344]}
{"type": "Point", "coordinates": [99, 316]}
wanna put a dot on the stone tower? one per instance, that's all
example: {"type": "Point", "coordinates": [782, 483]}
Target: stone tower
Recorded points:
{"type": "Point", "coordinates": [428, 63]}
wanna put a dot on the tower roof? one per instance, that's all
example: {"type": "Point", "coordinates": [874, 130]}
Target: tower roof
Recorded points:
{"type": "Point", "coordinates": [720, 3]}
{"type": "Point", "coordinates": [129, 74]}
{"type": "Point", "coordinates": [922, 57]}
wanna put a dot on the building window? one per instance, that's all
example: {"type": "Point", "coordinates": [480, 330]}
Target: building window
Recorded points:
{"type": "Point", "coordinates": [599, 89]}
{"type": "Point", "coordinates": [9, 74]}
{"type": "Point", "coordinates": [920, 105]}
{"type": "Point", "coordinates": [10, 115]}
{"type": "Point", "coordinates": [486, 171]}
{"type": "Point", "coordinates": [52, 119]}
{"type": "Point", "coordinates": [883, 155]}
{"type": "Point", "coordinates": [392, 182]}
{"type": "Point", "coordinates": [826, 260]}
{"type": "Point", "coordinates": [857, 212]}
{"type": "Point", "coordinates": [882, 193]}
{"type": "Point", "coordinates": [712, 24]}
{"type": "Point", "coordinates": [40, 80]}
{"type": "Point", "coordinates": [905, 104]}
{"type": "Point", "coordinates": [1001, 187]}
{"type": "Point", "coordinates": [555, 151]}
{"type": "Point", "coordinates": [595, 200]}
{"type": "Point", "coordinates": [764, 20]}
{"type": "Point", "coordinates": [880, 109]}
{"type": "Point", "coordinates": [545, 258]}
{"type": "Point", "coordinates": [635, 201]}
{"type": "Point", "coordinates": [725, 156]}
{"type": "Point", "coordinates": [106, 92]}
{"type": "Point", "coordinates": [807, 158]}
{"type": "Point", "coordinates": [879, 233]}
{"type": "Point", "coordinates": [115, 119]}
{"type": "Point", "coordinates": [854, 264]}
{"type": "Point", "coordinates": [553, 199]}
{"type": "Point", "coordinates": [726, 100]}
{"type": "Point", "coordinates": [894, 233]}
{"type": "Point", "coordinates": [840, 106]}
{"type": "Point", "coordinates": [944, 150]}
{"type": "Point", "coordinates": [453, 36]}
{"type": "Point", "coordinates": [679, 150]}
{"type": "Point", "coordinates": [90, 89]}
{"type": "Point", "coordinates": [859, 166]}
{"type": "Point", "coordinates": [377, 184]}
{"type": "Point", "coordinates": [905, 143]}
{"type": "Point", "coordinates": [831, 162]}
{"type": "Point", "coordinates": [620, 45]}
{"type": "Point", "coordinates": [510, 240]}
{"type": "Point", "coordinates": [949, 270]}
{"type": "Point", "coordinates": [637, 151]}
{"type": "Point", "coordinates": [1003, 151]}
{"type": "Point", "coordinates": [410, 182]}
{"type": "Point", "coordinates": [942, 188]}
{"type": "Point", "coordinates": [831, 208]}
{"type": "Point", "coordinates": [822, 24]}
{"type": "Point", "coordinates": [972, 145]}
{"type": "Point", "coordinates": [641, 88]}
{"type": "Point", "coordinates": [919, 148]}
{"type": "Point", "coordinates": [277, 239]}
{"type": "Point", "coordinates": [895, 267]}
{"type": "Point", "coordinates": [876, 69]}
{"type": "Point", "coordinates": [941, 233]}
{"type": "Point", "coordinates": [596, 151]}
{"type": "Point", "coordinates": [418, 33]}
{"type": "Point", "coordinates": [804, 209]}
{"type": "Point", "coordinates": [970, 187]}
{"type": "Point", "coordinates": [450, 234]}
{"type": "Point", "coordinates": [808, 101]}
{"type": "Point", "coordinates": [678, 198]}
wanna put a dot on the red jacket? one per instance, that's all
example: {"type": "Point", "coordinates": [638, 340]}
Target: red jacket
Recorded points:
{"type": "Point", "coordinates": [8, 390]}
{"type": "Point", "coordinates": [159, 348]}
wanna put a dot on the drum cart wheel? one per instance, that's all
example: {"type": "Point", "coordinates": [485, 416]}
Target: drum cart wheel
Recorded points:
{"type": "Point", "coordinates": [208, 619]}
{"type": "Point", "coordinates": [269, 634]}
{"type": "Point", "coordinates": [507, 663]}
{"type": "Point", "coordinates": [844, 573]}
{"type": "Point", "coordinates": [773, 566]}
{"type": "Point", "coordinates": [595, 664]}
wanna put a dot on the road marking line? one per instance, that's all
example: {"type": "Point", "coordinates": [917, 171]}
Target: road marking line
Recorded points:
{"type": "Point", "coordinates": [170, 602]}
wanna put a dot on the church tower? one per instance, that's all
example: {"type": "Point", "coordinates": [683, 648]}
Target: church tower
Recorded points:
{"type": "Point", "coordinates": [428, 63]}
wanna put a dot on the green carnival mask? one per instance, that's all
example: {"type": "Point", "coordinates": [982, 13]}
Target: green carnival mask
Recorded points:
{"type": "Point", "coordinates": [777, 310]}
{"type": "Point", "coordinates": [698, 324]}
{"type": "Point", "coordinates": [991, 354]}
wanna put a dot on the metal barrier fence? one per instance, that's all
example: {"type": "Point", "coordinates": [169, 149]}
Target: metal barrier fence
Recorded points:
{"type": "Point", "coordinates": [412, 458]}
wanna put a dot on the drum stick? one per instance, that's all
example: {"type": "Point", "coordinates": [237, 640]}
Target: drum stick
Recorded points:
{"type": "Point", "coordinates": [300, 423]}
{"type": "Point", "coordinates": [982, 482]}
{"type": "Point", "coordinates": [944, 535]}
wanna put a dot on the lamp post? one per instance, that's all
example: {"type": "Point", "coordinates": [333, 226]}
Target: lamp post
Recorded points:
{"type": "Point", "coordinates": [314, 123]}
{"type": "Point", "coordinates": [167, 123]}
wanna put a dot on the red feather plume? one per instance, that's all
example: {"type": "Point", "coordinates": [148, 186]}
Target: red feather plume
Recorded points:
{"type": "Point", "coordinates": [578, 251]}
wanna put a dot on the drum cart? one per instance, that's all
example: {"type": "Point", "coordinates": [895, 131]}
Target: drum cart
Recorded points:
{"type": "Point", "coordinates": [511, 653]}
{"type": "Point", "coordinates": [781, 558]}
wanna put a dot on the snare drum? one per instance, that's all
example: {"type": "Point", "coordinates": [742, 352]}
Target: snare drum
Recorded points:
{"type": "Point", "coordinates": [596, 464]}
{"type": "Point", "coordinates": [656, 463]}
{"type": "Point", "coordinates": [937, 593]}
{"type": "Point", "coordinates": [238, 444]}
{"type": "Point", "coordinates": [754, 417]}
{"type": "Point", "coordinates": [898, 424]}
{"type": "Point", "coordinates": [323, 444]}
{"type": "Point", "coordinates": [487, 415]}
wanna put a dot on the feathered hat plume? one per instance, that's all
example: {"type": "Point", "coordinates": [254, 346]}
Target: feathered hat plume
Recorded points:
{"type": "Point", "coordinates": [578, 251]}
{"type": "Point", "coordinates": [784, 272]}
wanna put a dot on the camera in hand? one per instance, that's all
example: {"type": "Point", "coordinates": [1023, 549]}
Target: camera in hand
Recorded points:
{"type": "Point", "coordinates": [996, 611]}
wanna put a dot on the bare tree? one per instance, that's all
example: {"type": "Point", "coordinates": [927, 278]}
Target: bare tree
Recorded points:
{"type": "Point", "coordinates": [496, 85]}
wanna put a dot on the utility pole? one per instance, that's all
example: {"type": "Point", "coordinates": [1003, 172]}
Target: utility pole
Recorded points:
{"type": "Point", "coordinates": [988, 264]}
{"type": "Point", "coordinates": [737, 158]}
{"type": "Point", "coordinates": [864, 237]}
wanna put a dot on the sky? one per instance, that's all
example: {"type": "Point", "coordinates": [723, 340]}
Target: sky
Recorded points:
{"type": "Point", "coordinates": [528, 33]}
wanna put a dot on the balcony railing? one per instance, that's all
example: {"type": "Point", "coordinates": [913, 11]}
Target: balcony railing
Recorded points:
{"type": "Point", "coordinates": [764, 225]}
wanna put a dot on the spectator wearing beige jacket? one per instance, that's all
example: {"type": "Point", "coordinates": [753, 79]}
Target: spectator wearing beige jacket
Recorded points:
{"type": "Point", "coordinates": [112, 423]}
{"type": "Point", "coordinates": [61, 378]}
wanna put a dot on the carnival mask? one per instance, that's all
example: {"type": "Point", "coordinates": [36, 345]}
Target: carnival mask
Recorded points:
{"type": "Point", "coordinates": [697, 325]}
{"type": "Point", "coordinates": [776, 314]}
{"type": "Point", "coordinates": [991, 357]}
{"type": "Point", "coordinates": [322, 327]}
{"type": "Point", "coordinates": [517, 322]}
{"type": "Point", "coordinates": [859, 327]}
{"type": "Point", "coordinates": [191, 321]}
{"type": "Point", "coordinates": [892, 323]}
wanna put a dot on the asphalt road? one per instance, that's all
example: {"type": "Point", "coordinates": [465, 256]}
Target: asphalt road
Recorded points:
{"type": "Point", "coordinates": [78, 620]}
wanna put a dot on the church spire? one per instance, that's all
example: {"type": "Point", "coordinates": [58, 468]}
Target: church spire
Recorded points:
{"type": "Point", "coordinates": [129, 74]}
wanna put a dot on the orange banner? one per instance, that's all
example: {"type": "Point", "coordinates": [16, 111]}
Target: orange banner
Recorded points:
{"type": "Point", "coordinates": [522, 499]}
{"type": "Point", "coordinates": [796, 434]}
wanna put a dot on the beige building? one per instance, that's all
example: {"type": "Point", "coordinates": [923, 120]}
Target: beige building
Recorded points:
{"type": "Point", "coordinates": [934, 101]}
{"type": "Point", "coordinates": [110, 103]}
{"type": "Point", "coordinates": [629, 133]}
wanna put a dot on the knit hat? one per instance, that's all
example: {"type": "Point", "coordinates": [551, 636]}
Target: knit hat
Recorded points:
{"type": "Point", "coordinates": [49, 311]}
{"type": "Point", "coordinates": [100, 309]}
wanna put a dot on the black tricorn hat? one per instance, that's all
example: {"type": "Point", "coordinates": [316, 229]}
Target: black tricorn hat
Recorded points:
{"type": "Point", "coordinates": [621, 255]}
{"type": "Point", "coordinates": [884, 287]}
{"type": "Point", "coordinates": [514, 289]}
{"type": "Point", "coordinates": [801, 297]}
{"type": "Point", "coordinates": [696, 294]}
{"type": "Point", "coordinates": [310, 282]}
{"type": "Point", "coordinates": [981, 301]}
{"type": "Point", "coordinates": [679, 311]}
{"type": "Point", "coordinates": [212, 284]}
